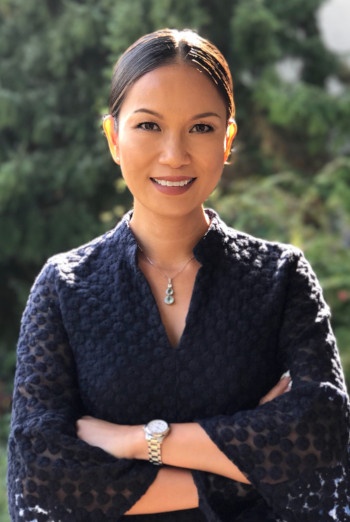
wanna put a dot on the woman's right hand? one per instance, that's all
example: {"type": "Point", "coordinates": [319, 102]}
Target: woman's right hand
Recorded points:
{"type": "Point", "coordinates": [283, 386]}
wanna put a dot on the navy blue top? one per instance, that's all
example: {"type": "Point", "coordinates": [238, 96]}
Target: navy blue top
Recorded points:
{"type": "Point", "coordinates": [92, 342]}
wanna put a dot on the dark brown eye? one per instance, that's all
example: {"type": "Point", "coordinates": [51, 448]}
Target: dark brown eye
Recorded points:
{"type": "Point", "coordinates": [148, 126]}
{"type": "Point", "coordinates": [202, 128]}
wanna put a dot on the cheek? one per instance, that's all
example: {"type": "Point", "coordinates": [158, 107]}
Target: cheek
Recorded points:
{"type": "Point", "coordinates": [214, 150]}
{"type": "Point", "coordinates": [132, 166]}
{"type": "Point", "coordinates": [136, 155]}
{"type": "Point", "coordinates": [213, 159]}
{"type": "Point", "coordinates": [215, 166]}
{"type": "Point", "coordinates": [128, 150]}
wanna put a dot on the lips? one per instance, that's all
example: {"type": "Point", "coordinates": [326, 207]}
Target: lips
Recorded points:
{"type": "Point", "coordinates": [173, 183]}
{"type": "Point", "coordinates": [173, 186]}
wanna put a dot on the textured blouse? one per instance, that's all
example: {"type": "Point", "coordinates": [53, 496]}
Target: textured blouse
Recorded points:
{"type": "Point", "coordinates": [92, 343]}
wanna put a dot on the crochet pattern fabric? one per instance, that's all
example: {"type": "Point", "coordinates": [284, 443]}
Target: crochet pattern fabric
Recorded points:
{"type": "Point", "coordinates": [92, 343]}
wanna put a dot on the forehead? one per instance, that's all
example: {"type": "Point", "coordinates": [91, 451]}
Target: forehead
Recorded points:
{"type": "Point", "coordinates": [176, 86]}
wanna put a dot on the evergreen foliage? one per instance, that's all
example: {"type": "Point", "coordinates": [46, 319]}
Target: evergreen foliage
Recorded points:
{"type": "Point", "coordinates": [58, 187]}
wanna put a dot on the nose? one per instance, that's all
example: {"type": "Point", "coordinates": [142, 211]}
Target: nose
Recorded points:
{"type": "Point", "coordinates": [174, 151]}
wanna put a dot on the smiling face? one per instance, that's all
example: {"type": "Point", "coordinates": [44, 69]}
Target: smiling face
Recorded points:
{"type": "Point", "coordinates": [172, 140]}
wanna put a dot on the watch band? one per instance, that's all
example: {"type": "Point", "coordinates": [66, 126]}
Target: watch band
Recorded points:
{"type": "Point", "coordinates": [154, 451]}
{"type": "Point", "coordinates": [155, 432]}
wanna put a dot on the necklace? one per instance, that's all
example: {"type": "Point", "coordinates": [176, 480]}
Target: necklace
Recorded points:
{"type": "Point", "coordinates": [169, 298]}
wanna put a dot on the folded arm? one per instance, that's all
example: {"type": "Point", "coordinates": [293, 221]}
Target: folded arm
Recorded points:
{"type": "Point", "coordinates": [296, 442]}
{"type": "Point", "coordinates": [186, 448]}
{"type": "Point", "coordinates": [50, 470]}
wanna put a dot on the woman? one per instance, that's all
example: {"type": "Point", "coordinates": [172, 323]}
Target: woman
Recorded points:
{"type": "Point", "coordinates": [143, 355]}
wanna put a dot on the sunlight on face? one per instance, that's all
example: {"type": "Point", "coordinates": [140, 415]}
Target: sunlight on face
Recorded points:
{"type": "Point", "coordinates": [171, 138]}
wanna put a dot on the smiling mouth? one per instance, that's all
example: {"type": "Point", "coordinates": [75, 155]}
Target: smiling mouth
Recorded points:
{"type": "Point", "coordinates": [167, 183]}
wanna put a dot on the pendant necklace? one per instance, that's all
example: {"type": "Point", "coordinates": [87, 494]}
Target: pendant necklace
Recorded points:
{"type": "Point", "coordinates": [169, 298]}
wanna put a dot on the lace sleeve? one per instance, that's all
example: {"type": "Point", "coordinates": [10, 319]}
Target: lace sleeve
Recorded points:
{"type": "Point", "coordinates": [294, 449]}
{"type": "Point", "coordinates": [52, 475]}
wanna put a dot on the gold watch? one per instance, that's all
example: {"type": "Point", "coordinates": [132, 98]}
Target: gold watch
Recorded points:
{"type": "Point", "coordinates": [155, 432]}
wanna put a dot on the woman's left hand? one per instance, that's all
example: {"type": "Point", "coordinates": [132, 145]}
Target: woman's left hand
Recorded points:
{"type": "Point", "coordinates": [118, 440]}
{"type": "Point", "coordinates": [283, 386]}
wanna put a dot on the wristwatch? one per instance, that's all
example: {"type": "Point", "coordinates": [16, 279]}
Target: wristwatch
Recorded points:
{"type": "Point", "coordinates": [155, 432]}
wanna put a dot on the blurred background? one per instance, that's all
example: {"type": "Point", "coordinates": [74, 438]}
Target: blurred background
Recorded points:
{"type": "Point", "coordinates": [289, 179]}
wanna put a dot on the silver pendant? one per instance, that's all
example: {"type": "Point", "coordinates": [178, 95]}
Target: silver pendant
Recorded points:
{"type": "Point", "coordinates": [169, 298]}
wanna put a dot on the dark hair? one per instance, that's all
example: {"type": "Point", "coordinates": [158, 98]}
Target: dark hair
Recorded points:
{"type": "Point", "coordinates": [165, 47]}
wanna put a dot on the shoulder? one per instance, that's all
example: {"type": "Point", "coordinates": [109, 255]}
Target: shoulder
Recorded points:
{"type": "Point", "coordinates": [94, 257]}
{"type": "Point", "coordinates": [238, 246]}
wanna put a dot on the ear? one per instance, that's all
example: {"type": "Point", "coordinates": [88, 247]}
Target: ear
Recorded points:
{"type": "Point", "coordinates": [111, 134]}
{"type": "Point", "coordinates": [230, 136]}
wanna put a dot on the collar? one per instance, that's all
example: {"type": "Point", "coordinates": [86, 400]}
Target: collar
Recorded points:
{"type": "Point", "coordinates": [209, 249]}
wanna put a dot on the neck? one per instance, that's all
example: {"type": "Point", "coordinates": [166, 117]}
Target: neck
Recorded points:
{"type": "Point", "coordinates": [167, 240]}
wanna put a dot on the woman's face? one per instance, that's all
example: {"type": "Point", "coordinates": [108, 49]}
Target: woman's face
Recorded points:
{"type": "Point", "coordinates": [172, 139]}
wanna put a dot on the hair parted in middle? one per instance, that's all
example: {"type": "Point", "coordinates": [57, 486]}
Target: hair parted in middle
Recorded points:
{"type": "Point", "coordinates": [166, 47]}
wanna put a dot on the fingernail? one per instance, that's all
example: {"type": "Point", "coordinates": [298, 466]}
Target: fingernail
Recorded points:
{"type": "Point", "coordinates": [286, 374]}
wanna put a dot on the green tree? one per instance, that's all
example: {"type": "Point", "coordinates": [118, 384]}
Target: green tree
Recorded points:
{"type": "Point", "coordinates": [55, 179]}
{"type": "Point", "coordinates": [313, 216]}
{"type": "Point", "coordinates": [290, 175]}
{"type": "Point", "coordinates": [58, 187]}
{"type": "Point", "coordinates": [296, 124]}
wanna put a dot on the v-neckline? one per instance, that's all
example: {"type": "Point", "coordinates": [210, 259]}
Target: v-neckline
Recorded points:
{"type": "Point", "coordinates": [157, 313]}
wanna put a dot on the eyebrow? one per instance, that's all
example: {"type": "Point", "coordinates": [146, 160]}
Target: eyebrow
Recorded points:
{"type": "Point", "coordinates": [195, 117]}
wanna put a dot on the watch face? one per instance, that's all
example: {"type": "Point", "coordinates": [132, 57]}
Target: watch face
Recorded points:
{"type": "Point", "coordinates": [157, 426]}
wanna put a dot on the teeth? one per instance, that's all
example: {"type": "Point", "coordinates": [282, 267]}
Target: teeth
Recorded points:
{"type": "Point", "coordinates": [166, 183]}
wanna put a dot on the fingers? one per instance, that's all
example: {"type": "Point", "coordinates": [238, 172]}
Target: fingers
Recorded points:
{"type": "Point", "coordinates": [84, 427]}
{"type": "Point", "coordinates": [283, 386]}
{"type": "Point", "coordinates": [286, 375]}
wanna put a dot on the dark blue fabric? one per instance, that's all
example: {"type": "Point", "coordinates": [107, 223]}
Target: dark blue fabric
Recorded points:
{"type": "Point", "coordinates": [92, 342]}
